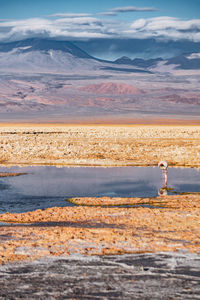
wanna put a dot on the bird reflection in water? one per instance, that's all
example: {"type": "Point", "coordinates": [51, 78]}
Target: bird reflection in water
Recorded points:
{"type": "Point", "coordinates": [163, 191]}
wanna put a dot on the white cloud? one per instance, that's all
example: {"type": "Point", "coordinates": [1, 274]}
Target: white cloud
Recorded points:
{"type": "Point", "coordinates": [107, 13]}
{"type": "Point", "coordinates": [194, 56]}
{"type": "Point", "coordinates": [69, 15]}
{"type": "Point", "coordinates": [125, 9]}
{"type": "Point", "coordinates": [166, 23]}
{"type": "Point", "coordinates": [80, 27]}
{"type": "Point", "coordinates": [166, 27]}
{"type": "Point", "coordinates": [77, 21]}
{"type": "Point", "coordinates": [85, 27]}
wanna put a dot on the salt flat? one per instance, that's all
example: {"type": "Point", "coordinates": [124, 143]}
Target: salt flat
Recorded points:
{"type": "Point", "coordinates": [122, 145]}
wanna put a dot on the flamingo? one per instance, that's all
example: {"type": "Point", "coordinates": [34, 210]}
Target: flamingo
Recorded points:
{"type": "Point", "coordinates": [163, 165]}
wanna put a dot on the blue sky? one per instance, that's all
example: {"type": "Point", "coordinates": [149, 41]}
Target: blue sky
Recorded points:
{"type": "Point", "coordinates": [18, 9]}
{"type": "Point", "coordinates": [88, 19]}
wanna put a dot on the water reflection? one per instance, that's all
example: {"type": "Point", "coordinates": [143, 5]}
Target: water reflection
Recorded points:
{"type": "Point", "coordinates": [163, 191]}
{"type": "Point", "coordinates": [47, 186]}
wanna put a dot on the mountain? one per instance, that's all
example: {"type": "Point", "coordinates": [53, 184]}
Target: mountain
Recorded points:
{"type": "Point", "coordinates": [188, 61]}
{"type": "Point", "coordinates": [36, 44]}
{"type": "Point", "coordinates": [111, 49]}
{"type": "Point", "coordinates": [50, 56]}
{"type": "Point", "coordinates": [57, 80]}
{"type": "Point", "coordinates": [138, 62]}
{"type": "Point", "coordinates": [41, 55]}
{"type": "Point", "coordinates": [111, 88]}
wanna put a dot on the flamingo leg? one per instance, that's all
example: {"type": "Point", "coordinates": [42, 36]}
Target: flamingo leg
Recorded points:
{"type": "Point", "coordinates": [164, 178]}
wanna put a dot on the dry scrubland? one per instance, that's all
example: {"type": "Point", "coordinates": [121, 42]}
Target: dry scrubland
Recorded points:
{"type": "Point", "coordinates": [100, 145]}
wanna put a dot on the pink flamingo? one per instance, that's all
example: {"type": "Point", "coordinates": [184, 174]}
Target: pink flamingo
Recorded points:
{"type": "Point", "coordinates": [163, 165]}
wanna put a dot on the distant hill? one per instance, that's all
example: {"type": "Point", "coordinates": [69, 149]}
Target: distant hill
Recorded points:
{"type": "Point", "coordinates": [111, 88]}
{"type": "Point", "coordinates": [190, 61]}
{"type": "Point", "coordinates": [187, 61]}
{"type": "Point", "coordinates": [138, 62]}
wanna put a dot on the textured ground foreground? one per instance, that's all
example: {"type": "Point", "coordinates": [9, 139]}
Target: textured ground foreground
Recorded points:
{"type": "Point", "coordinates": [100, 145]}
{"type": "Point", "coordinates": [139, 276]}
{"type": "Point", "coordinates": [172, 225]}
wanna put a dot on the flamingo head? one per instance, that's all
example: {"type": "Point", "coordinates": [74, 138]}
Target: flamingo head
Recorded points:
{"type": "Point", "coordinates": [163, 165]}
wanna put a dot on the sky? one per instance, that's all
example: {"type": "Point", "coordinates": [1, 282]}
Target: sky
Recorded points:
{"type": "Point", "coordinates": [20, 9]}
{"type": "Point", "coordinates": [89, 19]}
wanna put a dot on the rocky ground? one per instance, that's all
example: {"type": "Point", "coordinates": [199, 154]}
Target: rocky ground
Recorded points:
{"type": "Point", "coordinates": [135, 276]}
{"type": "Point", "coordinates": [169, 223]}
{"type": "Point", "coordinates": [103, 253]}
{"type": "Point", "coordinates": [100, 145]}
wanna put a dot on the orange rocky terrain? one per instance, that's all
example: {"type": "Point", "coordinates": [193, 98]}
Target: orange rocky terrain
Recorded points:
{"type": "Point", "coordinates": [172, 225]}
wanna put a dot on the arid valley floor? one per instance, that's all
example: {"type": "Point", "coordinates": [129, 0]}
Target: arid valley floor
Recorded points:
{"type": "Point", "coordinates": [91, 228]}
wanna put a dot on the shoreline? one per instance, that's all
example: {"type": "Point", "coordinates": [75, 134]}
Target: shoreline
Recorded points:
{"type": "Point", "coordinates": [79, 165]}
{"type": "Point", "coordinates": [130, 122]}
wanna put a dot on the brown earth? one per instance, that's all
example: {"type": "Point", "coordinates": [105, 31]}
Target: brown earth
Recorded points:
{"type": "Point", "coordinates": [120, 145]}
{"type": "Point", "coordinates": [172, 225]}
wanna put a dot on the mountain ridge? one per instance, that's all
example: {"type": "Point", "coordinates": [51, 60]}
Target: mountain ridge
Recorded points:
{"type": "Point", "coordinates": [49, 55]}
{"type": "Point", "coordinates": [186, 61]}
{"type": "Point", "coordinates": [36, 44]}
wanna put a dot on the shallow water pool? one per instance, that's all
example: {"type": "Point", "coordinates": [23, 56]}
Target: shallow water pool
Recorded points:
{"type": "Point", "coordinates": [48, 186]}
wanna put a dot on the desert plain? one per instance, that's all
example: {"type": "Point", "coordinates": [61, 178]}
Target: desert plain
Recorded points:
{"type": "Point", "coordinates": [92, 228]}
{"type": "Point", "coordinates": [100, 145]}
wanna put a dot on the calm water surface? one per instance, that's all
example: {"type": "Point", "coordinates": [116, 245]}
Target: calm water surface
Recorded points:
{"type": "Point", "coordinates": [47, 186]}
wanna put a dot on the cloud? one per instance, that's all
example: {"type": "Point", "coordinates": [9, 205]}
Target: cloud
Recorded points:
{"type": "Point", "coordinates": [64, 28]}
{"type": "Point", "coordinates": [167, 28]}
{"type": "Point", "coordinates": [78, 21]}
{"type": "Point", "coordinates": [194, 56]}
{"type": "Point", "coordinates": [107, 13]}
{"type": "Point", "coordinates": [125, 9]}
{"type": "Point", "coordinates": [88, 27]}
{"type": "Point", "coordinates": [69, 15]}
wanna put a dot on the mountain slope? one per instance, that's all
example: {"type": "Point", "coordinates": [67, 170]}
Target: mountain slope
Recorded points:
{"type": "Point", "coordinates": [189, 61]}
{"type": "Point", "coordinates": [138, 62]}
{"type": "Point", "coordinates": [35, 44]}
{"type": "Point", "coordinates": [40, 55]}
